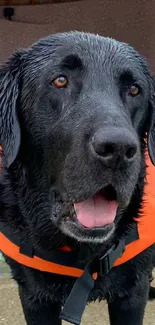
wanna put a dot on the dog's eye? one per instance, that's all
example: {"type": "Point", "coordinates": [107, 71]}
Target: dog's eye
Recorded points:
{"type": "Point", "coordinates": [60, 82]}
{"type": "Point", "coordinates": [134, 90]}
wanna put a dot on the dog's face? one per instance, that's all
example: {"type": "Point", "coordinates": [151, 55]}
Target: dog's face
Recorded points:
{"type": "Point", "coordinates": [79, 105]}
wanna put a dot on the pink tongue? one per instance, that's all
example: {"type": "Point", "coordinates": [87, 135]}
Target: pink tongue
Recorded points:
{"type": "Point", "coordinates": [96, 211]}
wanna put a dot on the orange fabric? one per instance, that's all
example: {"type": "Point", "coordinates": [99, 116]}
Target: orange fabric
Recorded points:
{"type": "Point", "coordinates": [11, 250]}
{"type": "Point", "coordinates": [65, 249]}
{"type": "Point", "coordinates": [146, 223]}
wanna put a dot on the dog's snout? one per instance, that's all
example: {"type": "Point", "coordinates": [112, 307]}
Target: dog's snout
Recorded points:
{"type": "Point", "coordinates": [115, 145]}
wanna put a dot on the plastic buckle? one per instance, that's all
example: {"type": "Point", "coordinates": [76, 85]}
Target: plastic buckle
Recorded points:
{"type": "Point", "coordinates": [107, 261]}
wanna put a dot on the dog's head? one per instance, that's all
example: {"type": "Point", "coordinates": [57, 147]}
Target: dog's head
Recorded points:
{"type": "Point", "coordinates": [74, 109]}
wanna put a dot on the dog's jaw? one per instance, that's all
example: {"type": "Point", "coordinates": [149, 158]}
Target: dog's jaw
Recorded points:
{"type": "Point", "coordinates": [64, 217]}
{"type": "Point", "coordinates": [94, 236]}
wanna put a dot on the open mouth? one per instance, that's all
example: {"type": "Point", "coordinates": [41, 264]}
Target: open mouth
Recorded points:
{"type": "Point", "coordinates": [99, 210]}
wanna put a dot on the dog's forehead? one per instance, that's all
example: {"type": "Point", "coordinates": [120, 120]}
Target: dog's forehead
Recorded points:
{"type": "Point", "coordinates": [88, 47]}
{"type": "Point", "coordinates": [96, 53]}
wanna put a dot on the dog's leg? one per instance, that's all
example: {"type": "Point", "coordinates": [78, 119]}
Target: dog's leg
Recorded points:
{"type": "Point", "coordinates": [40, 314]}
{"type": "Point", "coordinates": [130, 310]}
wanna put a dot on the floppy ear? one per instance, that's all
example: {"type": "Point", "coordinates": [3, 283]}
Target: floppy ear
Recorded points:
{"type": "Point", "coordinates": [9, 94]}
{"type": "Point", "coordinates": [151, 123]}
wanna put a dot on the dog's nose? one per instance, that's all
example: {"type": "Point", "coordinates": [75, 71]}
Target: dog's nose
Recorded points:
{"type": "Point", "coordinates": [114, 146]}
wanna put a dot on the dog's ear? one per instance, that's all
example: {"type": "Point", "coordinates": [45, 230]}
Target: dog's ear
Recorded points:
{"type": "Point", "coordinates": [151, 122]}
{"type": "Point", "coordinates": [10, 75]}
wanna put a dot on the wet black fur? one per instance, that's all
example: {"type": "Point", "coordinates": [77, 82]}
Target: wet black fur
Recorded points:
{"type": "Point", "coordinates": [46, 164]}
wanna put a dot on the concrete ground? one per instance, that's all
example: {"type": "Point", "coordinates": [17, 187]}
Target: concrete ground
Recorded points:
{"type": "Point", "coordinates": [11, 312]}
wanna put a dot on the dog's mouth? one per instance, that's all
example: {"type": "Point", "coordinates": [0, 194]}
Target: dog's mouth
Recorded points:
{"type": "Point", "coordinates": [99, 210]}
{"type": "Point", "coordinates": [91, 219]}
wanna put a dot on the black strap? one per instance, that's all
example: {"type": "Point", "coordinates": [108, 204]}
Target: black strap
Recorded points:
{"type": "Point", "coordinates": [56, 256]}
{"type": "Point", "coordinates": [107, 261]}
{"type": "Point", "coordinates": [78, 298]}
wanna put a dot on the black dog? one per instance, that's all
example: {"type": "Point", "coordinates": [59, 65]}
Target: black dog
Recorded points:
{"type": "Point", "coordinates": [74, 112]}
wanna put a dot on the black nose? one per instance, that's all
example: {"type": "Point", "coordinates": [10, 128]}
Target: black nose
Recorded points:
{"type": "Point", "coordinates": [115, 145]}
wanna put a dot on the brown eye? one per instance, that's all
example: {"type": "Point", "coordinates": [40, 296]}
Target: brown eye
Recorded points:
{"type": "Point", "coordinates": [134, 90]}
{"type": "Point", "coordinates": [60, 82]}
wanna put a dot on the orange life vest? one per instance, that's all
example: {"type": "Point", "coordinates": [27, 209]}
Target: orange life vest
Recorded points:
{"type": "Point", "coordinates": [146, 223]}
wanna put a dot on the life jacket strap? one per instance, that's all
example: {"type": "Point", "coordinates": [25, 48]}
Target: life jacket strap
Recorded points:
{"type": "Point", "coordinates": [65, 262]}
{"type": "Point", "coordinates": [78, 298]}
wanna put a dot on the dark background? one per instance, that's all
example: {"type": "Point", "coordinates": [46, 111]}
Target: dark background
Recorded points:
{"type": "Point", "coordinates": [130, 21]}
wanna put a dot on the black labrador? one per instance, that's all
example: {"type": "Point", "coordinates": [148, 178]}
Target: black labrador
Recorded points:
{"type": "Point", "coordinates": [75, 109]}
